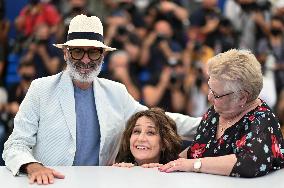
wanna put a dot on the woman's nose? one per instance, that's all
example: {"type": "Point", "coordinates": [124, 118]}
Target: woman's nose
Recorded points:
{"type": "Point", "coordinates": [142, 136]}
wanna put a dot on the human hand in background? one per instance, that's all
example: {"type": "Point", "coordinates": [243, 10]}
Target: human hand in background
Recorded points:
{"type": "Point", "coordinates": [211, 24]}
{"type": "Point", "coordinates": [167, 6]}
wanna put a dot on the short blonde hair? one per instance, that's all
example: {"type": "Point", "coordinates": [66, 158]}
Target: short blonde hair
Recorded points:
{"type": "Point", "coordinates": [239, 69]}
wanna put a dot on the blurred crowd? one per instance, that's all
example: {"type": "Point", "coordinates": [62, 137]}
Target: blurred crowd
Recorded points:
{"type": "Point", "coordinates": [163, 47]}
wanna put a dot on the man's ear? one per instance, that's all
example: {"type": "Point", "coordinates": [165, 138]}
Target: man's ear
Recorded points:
{"type": "Point", "coordinates": [65, 55]}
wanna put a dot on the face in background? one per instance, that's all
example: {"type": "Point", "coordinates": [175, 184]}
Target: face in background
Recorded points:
{"type": "Point", "coordinates": [223, 101]}
{"type": "Point", "coordinates": [164, 29]}
{"type": "Point", "coordinates": [27, 72]}
{"type": "Point", "coordinates": [277, 27]}
{"type": "Point", "coordinates": [118, 62]}
{"type": "Point", "coordinates": [83, 68]}
{"type": "Point", "coordinates": [145, 141]}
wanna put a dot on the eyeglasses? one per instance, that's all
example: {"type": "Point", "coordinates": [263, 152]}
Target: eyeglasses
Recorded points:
{"type": "Point", "coordinates": [219, 96]}
{"type": "Point", "coordinates": [78, 53]}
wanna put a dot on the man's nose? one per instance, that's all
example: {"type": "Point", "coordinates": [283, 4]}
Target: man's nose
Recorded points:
{"type": "Point", "coordinates": [85, 58]}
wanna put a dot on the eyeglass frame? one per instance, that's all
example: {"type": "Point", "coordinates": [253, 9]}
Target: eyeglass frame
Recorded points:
{"type": "Point", "coordinates": [219, 96]}
{"type": "Point", "coordinates": [85, 51]}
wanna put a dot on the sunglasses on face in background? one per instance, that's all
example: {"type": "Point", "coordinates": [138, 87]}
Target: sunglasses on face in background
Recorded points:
{"type": "Point", "coordinates": [78, 53]}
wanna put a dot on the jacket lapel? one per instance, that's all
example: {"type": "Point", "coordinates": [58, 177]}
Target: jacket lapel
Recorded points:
{"type": "Point", "coordinates": [67, 102]}
{"type": "Point", "coordinates": [101, 106]}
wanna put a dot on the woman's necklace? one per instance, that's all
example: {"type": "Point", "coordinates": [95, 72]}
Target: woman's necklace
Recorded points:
{"type": "Point", "coordinates": [223, 128]}
{"type": "Point", "coordinates": [224, 124]}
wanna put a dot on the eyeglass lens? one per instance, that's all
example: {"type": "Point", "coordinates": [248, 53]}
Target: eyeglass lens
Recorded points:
{"type": "Point", "coordinates": [219, 96]}
{"type": "Point", "coordinates": [78, 53]}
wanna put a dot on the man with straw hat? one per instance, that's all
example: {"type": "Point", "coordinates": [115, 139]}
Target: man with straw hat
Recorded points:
{"type": "Point", "coordinates": [74, 117]}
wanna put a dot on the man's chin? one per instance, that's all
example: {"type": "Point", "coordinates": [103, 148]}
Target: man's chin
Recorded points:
{"type": "Point", "coordinates": [86, 75]}
{"type": "Point", "coordinates": [86, 78]}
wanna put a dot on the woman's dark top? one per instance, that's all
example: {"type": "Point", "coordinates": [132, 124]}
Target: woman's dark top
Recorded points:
{"type": "Point", "coordinates": [256, 140]}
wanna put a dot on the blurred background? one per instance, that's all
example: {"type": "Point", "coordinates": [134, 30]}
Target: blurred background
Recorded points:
{"type": "Point", "coordinates": [163, 47]}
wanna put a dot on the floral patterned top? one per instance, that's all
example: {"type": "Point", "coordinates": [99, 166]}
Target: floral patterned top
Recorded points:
{"type": "Point", "coordinates": [256, 140]}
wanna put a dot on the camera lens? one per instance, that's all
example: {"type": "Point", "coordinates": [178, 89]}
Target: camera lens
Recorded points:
{"type": "Point", "coordinates": [172, 61]}
{"type": "Point", "coordinates": [121, 30]}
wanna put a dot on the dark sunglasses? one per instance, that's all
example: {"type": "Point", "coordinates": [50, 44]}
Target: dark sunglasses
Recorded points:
{"type": "Point", "coordinates": [78, 53]}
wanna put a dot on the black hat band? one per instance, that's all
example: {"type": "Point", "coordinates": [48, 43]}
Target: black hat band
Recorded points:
{"type": "Point", "coordinates": [85, 35]}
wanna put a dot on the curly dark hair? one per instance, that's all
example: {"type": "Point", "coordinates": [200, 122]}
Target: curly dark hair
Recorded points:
{"type": "Point", "coordinates": [171, 141]}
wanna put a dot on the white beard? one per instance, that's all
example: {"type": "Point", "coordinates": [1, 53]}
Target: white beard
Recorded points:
{"type": "Point", "coordinates": [76, 75]}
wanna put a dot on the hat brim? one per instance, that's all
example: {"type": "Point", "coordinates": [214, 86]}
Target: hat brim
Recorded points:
{"type": "Point", "coordinates": [85, 42]}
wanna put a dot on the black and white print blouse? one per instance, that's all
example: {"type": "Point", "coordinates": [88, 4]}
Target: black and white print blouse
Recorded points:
{"type": "Point", "coordinates": [256, 140]}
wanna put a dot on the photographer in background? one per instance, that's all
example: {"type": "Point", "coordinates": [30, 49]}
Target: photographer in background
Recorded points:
{"type": "Point", "coordinates": [166, 91]}
{"type": "Point", "coordinates": [226, 37]}
{"type": "Point", "coordinates": [174, 12]}
{"type": "Point", "coordinates": [273, 43]}
{"type": "Point", "coordinates": [76, 7]}
{"type": "Point", "coordinates": [3, 121]}
{"type": "Point", "coordinates": [159, 47]}
{"type": "Point", "coordinates": [36, 13]}
{"type": "Point", "coordinates": [249, 18]}
{"type": "Point", "coordinates": [119, 70]}
{"type": "Point", "coordinates": [119, 27]}
{"type": "Point", "coordinates": [161, 54]}
{"type": "Point", "coordinates": [280, 110]}
{"type": "Point", "coordinates": [207, 19]}
{"type": "Point", "coordinates": [277, 40]}
{"type": "Point", "coordinates": [4, 31]}
{"type": "Point", "coordinates": [17, 92]}
{"type": "Point", "coordinates": [194, 59]}
{"type": "Point", "coordinates": [40, 51]}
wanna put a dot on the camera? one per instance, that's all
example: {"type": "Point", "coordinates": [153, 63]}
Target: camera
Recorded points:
{"type": "Point", "coordinates": [34, 2]}
{"type": "Point", "coordinates": [121, 30]}
{"type": "Point", "coordinates": [255, 6]}
{"type": "Point", "coordinates": [197, 46]}
{"type": "Point", "coordinates": [212, 13]}
{"type": "Point", "coordinates": [77, 9]}
{"type": "Point", "coordinates": [276, 32]}
{"type": "Point", "coordinates": [225, 22]}
{"type": "Point", "coordinates": [175, 76]}
{"type": "Point", "coordinates": [160, 38]}
{"type": "Point", "coordinates": [125, 6]}
{"type": "Point", "coordinates": [172, 62]}
{"type": "Point", "coordinates": [39, 41]}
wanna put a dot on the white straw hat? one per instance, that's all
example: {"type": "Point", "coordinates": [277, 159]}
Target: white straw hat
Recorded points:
{"type": "Point", "coordinates": [85, 31]}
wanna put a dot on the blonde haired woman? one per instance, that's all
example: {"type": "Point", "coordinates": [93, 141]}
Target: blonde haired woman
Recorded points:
{"type": "Point", "coordinates": [239, 135]}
